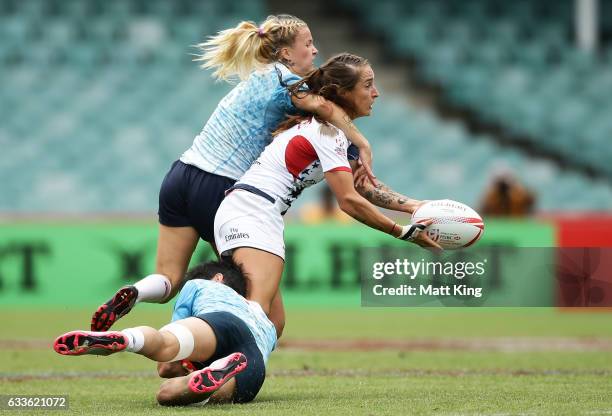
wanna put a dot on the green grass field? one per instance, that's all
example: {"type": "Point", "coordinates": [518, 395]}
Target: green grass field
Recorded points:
{"type": "Point", "coordinates": [341, 361]}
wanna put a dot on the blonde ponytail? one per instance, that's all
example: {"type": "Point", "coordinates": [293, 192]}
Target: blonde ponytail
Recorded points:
{"type": "Point", "coordinates": [236, 52]}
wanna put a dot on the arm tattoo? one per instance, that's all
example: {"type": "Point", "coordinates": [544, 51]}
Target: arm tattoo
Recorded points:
{"type": "Point", "coordinates": [381, 195]}
{"type": "Point", "coordinates": [401, 199]}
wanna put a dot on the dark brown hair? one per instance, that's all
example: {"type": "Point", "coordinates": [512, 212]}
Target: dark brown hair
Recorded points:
{"type": "Point", "coordinates": [233, 275]}
{"type": "Point", "coordinates": [339, 74]}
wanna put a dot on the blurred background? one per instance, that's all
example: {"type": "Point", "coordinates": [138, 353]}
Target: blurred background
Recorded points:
{"type": "Point", "coordinates": [99, 97]}
{"type": "Point", "coordinates": [505, 106]}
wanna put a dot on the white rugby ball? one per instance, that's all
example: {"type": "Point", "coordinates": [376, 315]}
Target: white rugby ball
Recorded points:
{"type": "Point", "coordinates": [455, 225]}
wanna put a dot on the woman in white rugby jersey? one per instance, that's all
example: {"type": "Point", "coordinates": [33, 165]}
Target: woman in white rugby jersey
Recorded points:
{"type": "Point", "coordinates": [249, 223]}
{"type": "Point", "coordinates": [267, 58]}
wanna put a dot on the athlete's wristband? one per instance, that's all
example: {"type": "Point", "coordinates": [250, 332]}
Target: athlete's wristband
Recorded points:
{"type": "Point", "coordinates": [410, 232]}
{"type": "Point", "coordinates": [393, 228]}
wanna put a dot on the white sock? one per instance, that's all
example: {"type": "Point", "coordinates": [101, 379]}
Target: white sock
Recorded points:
{"type": "Point", "coordinates": [135, 339]}
{"type": "Point", "coordinates": [153, 288]}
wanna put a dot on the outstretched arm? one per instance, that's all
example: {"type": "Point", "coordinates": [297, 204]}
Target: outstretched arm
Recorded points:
{"type": "Point", "coordinates": [383, 196]}
{"type": "Point", "coordinates": [341, 184]}
{"type": "Point", "coordinates": [334, 114]}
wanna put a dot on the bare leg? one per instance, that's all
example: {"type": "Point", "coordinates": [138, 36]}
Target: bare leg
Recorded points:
{"type": "Point", "coordinates": [175, 246]}
{"type": "Point", "coordinates": [277, 313]}
{"type": "Point", "coordinates": [264, 271]}
{"type": "Point", "coordinates": [163, 346]}
{"type": "Point", "coordinates": [170, 370]}
{"type": "Point", "coordinates": [176, 392]}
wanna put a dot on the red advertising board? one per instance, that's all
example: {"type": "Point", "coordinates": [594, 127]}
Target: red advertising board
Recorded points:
{"type": "Point", "coordinates": [584, 260]}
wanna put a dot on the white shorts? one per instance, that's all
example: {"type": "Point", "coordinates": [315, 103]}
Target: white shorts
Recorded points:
{"type": "Point", "coordinates": [248, 220]}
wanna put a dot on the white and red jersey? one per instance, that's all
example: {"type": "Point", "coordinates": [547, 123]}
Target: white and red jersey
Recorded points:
{"type": "Point", "coordinates": [298, 158]}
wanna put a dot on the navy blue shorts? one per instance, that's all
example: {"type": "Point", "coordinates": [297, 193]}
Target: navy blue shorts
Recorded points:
{"type": "Point", "coordinates": [190, 196]}
{"type": "Point", "coordinates": [233, 335]}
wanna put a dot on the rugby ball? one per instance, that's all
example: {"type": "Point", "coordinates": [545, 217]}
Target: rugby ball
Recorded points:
{"type": "Point", "coordinates": [455, 225]}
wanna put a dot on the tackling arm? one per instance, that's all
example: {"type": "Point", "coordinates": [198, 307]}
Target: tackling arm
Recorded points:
{"type": "Point", "coordinates": [334, 114]}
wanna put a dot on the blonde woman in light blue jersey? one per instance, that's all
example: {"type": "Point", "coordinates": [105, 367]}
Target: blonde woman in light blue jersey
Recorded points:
{"type": "Point", "coordinates": [266, 59]}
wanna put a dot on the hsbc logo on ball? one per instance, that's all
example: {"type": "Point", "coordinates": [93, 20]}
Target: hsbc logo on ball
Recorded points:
{"type": "Point", "coordinates": [454, 224]}
{"type": "Point", "coordinates": [434, 234]}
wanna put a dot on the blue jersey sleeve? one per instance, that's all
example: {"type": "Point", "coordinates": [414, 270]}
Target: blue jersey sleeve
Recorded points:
{"type": "Point", "coordinates": [281, 96]}
{"type": "Point", "coordinates": [184, 302]}
{"type": "Point", "coordinates": [352, 152]}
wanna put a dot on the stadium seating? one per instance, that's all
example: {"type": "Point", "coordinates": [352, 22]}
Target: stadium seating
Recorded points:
{"type": "Point", "coordinates": [429, 159]}
{"type": "Point", "coordinates": [101, 98]}
{"type": "Point", "coordinates": [512, 63]}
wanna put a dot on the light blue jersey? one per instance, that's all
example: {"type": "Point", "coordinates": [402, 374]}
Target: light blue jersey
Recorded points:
{"type": "Point", "coordinates": [200, 296]}
{"type": "Point", "coordinates": [242, 124]}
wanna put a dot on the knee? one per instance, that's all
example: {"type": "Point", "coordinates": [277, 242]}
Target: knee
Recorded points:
{"type": "Point", "coordinates": [170, 370]}
{"type": "Point", "coordinates": [166, 299]}
{"type": "Point", "coordinates": [279, 324]}
{"type": "Point", "coordinates": [277, 316]}
{"type": "Point", "coordinates": [166, 394]}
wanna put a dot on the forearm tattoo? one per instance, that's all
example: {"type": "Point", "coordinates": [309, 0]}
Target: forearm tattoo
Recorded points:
{"type": "Point", "coordinates": [383, 196]}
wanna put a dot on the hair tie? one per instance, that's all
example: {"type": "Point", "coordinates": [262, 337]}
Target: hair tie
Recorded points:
{"type": "Point", "coordinates": [260, 32]}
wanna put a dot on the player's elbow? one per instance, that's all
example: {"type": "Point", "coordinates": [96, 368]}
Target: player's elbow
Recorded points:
{"type": "Point", "coordinates": [324, 109]}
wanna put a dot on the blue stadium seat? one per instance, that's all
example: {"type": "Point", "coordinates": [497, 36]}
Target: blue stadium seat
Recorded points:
{"type": "Point", "coordinates": [519, 70]}
{"type": "Point", "coordinates": [117, 76]}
